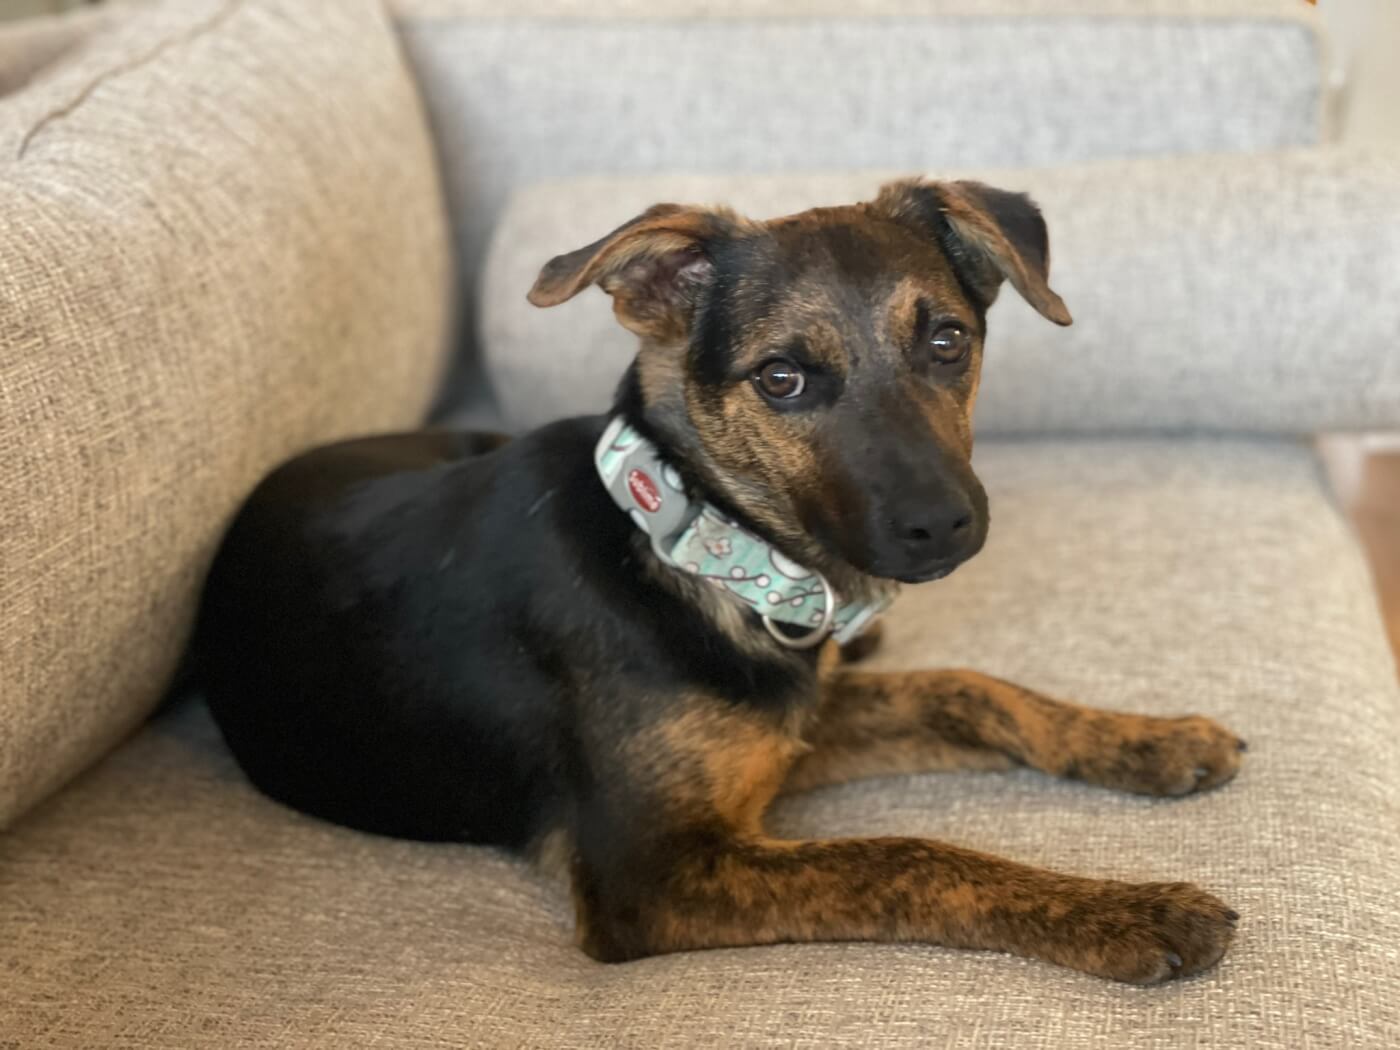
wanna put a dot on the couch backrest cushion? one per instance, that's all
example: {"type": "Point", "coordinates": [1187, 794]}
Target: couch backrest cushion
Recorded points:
{"type": "Point", "coordinates": [520, 90]}
{"type": "Point", "coordinates": [221, 241]}
{"type": "Point", "coordinates": [1255, 293]}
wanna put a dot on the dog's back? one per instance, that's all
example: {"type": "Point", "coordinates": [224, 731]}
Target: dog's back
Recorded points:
{"type": "Point", "coordinates": [326, 618]}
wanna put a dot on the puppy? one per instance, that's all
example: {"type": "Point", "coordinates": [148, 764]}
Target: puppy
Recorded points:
{"type": "Point", "coordinates": [617, 635]}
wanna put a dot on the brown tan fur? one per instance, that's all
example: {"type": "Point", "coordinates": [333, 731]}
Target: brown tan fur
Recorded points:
{"type": "Point", "coordinates": [719, 880]}
{"type": "Point", "coordinates": [927, 721]}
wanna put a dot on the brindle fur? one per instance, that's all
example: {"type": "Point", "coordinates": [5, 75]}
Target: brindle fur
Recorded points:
{"type": "Point", "coordinates": [709, 876]}
{"type": "Point", "coordinates": [931, 721]}
{"type": "Point", "coordinates": [429, 636]}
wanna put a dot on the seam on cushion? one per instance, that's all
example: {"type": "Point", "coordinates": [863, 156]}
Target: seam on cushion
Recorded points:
{"type": "Point", "coordinates": [70, 107]}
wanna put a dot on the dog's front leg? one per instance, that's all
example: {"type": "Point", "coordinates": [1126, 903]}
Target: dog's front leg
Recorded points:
{"type": "Point", "coordinates": [669, 854]}
{"type": "Point", "coordinates": [872, 724]}
{"type": "Point", "coordinates": [700, 890]}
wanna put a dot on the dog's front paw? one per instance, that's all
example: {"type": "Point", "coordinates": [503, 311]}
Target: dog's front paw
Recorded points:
{"type": "Point", "coordinates": [1149, 932]}
{"type": "Point", "coordinates": [1165, 756]}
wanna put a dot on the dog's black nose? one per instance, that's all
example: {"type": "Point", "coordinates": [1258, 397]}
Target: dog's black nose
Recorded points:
{"type": "Point", "coordinates": [933, 530]}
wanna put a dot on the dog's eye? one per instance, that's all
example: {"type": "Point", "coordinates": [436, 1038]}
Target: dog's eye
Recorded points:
{"type": "Point", "coordinates": [950, 343]}
{"type": "Point", "coordinates": [781, 380]}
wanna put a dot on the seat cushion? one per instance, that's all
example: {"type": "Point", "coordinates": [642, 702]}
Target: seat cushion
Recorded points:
{"type": "Point", "coordinates": [161, 902]}
{"type": "Point", "coordinates": [221, 242]}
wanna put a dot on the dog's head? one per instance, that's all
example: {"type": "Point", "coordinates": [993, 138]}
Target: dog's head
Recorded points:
{"type": "Point", "coordinates": [816, 373]}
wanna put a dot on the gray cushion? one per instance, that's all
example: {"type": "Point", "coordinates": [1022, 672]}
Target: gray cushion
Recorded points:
{"type": "Point", "coordinates": [520, 90]}
{"type": "Point", "coordinates": [1255, 293]}
{"type": "Point", "coordinates": [160, 902]}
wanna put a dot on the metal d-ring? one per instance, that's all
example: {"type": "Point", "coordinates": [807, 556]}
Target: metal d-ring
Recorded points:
{"type": "Point", "coordinates": [818, 634]}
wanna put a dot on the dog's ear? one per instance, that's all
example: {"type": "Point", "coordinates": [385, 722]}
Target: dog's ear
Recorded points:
{"type": "Point", "coordinates": [988, 234]}
{"type": "Point", "coordinates": [655, 267]}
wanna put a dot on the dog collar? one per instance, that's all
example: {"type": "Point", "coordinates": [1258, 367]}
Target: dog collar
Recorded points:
{"type": "Point", "coordinates": [697, 538]}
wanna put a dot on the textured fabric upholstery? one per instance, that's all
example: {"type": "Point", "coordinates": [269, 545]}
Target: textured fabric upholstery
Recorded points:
{"type": "Point", "coordinates": [221, 240]}
{"type": "Point", "coordinates": [1257, 293]}
{"type": "Point", "coordinates": [160, 902]}
{"type": "Point", "coordinates": [520, 91]}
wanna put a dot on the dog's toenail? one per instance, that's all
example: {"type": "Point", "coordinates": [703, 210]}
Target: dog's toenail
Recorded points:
{"type": "Point", "coordinates": [1232, 915]}
{"type": "Point", "coordinates": [1242, 745]}
{"type": "Point", "coordinates": [1174, 960]}
{"type": "Point", "coordinates": [1201, 772]}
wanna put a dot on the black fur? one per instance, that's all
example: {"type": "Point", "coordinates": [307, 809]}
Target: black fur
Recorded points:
{"type": "Point", "coordinates": [395, 628]}
{"type": "Point", "coordinates": [443, 636]}
{"type": "Point", "coordinates": [446, 637]}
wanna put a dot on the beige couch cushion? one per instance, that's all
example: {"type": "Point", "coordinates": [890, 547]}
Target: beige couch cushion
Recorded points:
{"type": "Point", "coordinates": [221, 241]}
{"type": "Point", "coordinates": [161, 902]}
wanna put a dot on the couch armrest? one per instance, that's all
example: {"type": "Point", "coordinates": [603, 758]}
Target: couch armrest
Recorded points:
{"type": "Point", "coordinates": [1252, 293]}
{"type": "Point", "coordinates": [221, 241]}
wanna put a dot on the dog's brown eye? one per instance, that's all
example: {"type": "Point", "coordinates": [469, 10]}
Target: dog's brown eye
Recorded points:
{"type": "Point", "coordinates": [950, 344]}
{"type": "Point", "coordinates": [781, 380]}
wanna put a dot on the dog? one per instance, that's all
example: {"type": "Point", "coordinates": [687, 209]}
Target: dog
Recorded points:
{"type": "Point", "coordinates": [614, 640]}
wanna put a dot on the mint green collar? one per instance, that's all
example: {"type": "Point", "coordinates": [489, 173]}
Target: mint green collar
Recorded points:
{"type": "Point", "coordinates": [695, 537]}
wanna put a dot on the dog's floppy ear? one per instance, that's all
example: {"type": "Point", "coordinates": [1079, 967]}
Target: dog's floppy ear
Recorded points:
{"type": "Point", "coordinates": [654, 266]}
{"type": "Point", "coordinates": [988, 234]}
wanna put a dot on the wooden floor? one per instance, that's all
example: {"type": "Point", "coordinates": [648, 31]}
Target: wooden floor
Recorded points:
{"type": "Point", "coordinates": [1373, 504]}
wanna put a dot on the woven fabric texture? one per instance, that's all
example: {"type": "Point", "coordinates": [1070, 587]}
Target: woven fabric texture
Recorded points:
{"type": "Point", "coordinates": [221, 241]}
{"type": "Point", "coordinates": [160, 902]}
{"type": "Point", "coordinates": [1257, 293]}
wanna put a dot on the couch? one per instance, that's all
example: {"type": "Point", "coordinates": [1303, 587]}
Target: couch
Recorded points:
{"type": "Point", "coordinates": [237, 228]}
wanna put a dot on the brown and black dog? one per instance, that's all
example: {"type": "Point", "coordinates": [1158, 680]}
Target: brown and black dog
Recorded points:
{"type": "Point", "coordinates": [445, 636]}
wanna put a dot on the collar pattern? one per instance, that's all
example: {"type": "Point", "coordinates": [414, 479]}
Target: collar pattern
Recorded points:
{"type": "Point", "coordinates": [696, 538]}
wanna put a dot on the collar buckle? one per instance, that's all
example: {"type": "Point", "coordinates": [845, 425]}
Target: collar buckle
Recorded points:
{"type": "Point", "coordinates": [817, 634]}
